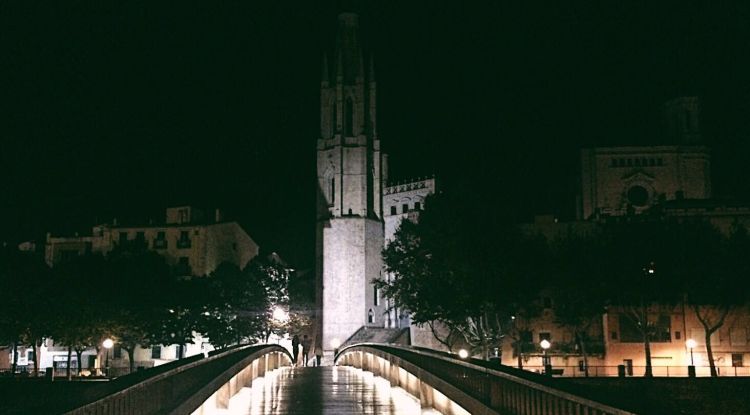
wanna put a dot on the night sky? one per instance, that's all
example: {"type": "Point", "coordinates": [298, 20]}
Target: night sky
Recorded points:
{"type": "Point", "coordinates": [119, 109]}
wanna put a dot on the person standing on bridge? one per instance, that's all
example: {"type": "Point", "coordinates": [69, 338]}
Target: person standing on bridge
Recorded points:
{"type": "Point", "coordinates": [295, 349]}
{"type": "Point", "coordinates": [305, 348]}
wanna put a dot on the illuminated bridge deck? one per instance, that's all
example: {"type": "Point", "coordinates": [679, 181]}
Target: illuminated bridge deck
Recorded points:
{"type": "Point", "coordinates": [323, 390]}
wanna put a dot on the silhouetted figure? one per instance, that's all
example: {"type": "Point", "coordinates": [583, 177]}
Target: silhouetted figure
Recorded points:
{"type": "Point", "coordinates": [305, 348]}
{"type": "Point", "coordinates": [318, 355]}
{"type": "Point", "coordinates": [295, 349]}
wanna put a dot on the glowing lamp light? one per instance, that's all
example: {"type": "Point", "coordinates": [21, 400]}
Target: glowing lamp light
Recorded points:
{"type": "Point", "coordinates": [279, 314]}
{"type": "Point", "coordinates": [463, 354]}
{"type": "Point", "coordinates": [108, 343]}
{"type": "Point", "coordinates": [545, 344]}
{"type": "Point", "coordinates": [690, 343]}
{"type": "Point", "coordinates": [335, 343]}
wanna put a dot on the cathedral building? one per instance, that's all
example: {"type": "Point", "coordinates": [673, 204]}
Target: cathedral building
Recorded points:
{"type": "Point", "coordinates": [356, 209]}
{"type": "Point", "coordinates": [616, 181]}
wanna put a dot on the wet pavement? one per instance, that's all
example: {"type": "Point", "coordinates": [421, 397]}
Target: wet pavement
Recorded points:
{"type": "Point", "coordinates": [323, 390]}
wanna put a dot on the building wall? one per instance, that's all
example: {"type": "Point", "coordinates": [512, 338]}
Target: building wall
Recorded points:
{"type": "Point", "coordinates": [610, 177]}
{"type": "Point", "coordinates": [404, 201]}
{"type": "Point", "coordinates": [350, 248]}
{"type": "Point", "coordinates": [205, 248]}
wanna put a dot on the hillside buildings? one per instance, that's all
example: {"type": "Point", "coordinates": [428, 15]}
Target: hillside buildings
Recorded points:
{"type": "Point", "coordinates": [193, 245]}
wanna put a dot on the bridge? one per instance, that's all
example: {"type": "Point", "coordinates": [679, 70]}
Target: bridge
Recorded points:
{"type": "Point", "coordinates": [366, 379]}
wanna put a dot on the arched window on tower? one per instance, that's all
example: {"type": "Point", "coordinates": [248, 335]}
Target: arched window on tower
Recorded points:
{"type": "Point", "coordinates": [370, 316]}
{"type": "Point", "coordinates": [334, 119]}
{"type": "Point", "coordinates": [332, 191]}
{"type": "Point", "coordinates": [349, 118]}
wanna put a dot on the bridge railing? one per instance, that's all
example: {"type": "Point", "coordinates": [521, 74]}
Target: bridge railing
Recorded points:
{"type": "Point", "coordinates": [182, 387]}
{"type": "Point", "coordinates": [442, 382]}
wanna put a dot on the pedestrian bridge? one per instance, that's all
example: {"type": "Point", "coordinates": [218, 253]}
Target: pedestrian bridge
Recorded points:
{"type": "Point", "coordinates": [367, 379]}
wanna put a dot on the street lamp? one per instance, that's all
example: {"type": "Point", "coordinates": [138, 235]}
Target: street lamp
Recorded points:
{"type": "Point", "coordinates": [690, 343]}
{"type": "Point", "coordinates": [107, 343]}
{"type": "Point", "coordinates": [463, 353]}
{"type": "Point", "coordinates": [545, 359]}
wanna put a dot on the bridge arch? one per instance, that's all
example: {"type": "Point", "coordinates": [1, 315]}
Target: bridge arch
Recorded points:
{"type": "Point", "coordinates": [454, 386]}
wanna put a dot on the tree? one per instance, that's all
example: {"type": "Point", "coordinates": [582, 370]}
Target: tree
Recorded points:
{"type": "Point", "coordinates": [136, 284]}
{"type": "Point", "coordinates": [714, 268]}
{"type": "Point", "coordinates": [579, 285]}
{"type": "Point", "coordinates": [470, 272]}
{"type": "Point", "coordinates": [25, 279]}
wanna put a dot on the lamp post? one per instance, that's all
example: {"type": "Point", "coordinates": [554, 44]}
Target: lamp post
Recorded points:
{"type": "Point", "coordinates": [690, 343]}
{"type": "Point", "coordinates": [648, 271]}
{"type": "Point", "coordinates": [107, 343]}
{"type": "Point", "coordinates": [545, 359]}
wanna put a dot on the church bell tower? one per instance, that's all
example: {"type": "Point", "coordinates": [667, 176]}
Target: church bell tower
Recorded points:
{"type": "Point", "coordinates": [351, 175]}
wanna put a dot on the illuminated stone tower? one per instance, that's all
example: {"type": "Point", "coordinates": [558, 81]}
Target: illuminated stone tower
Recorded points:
{"type": "Point", "coordinates": [351, 172]}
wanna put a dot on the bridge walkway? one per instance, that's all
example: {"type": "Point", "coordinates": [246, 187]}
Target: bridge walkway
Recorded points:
{"type": "Point", "coordinates": [329, 390]}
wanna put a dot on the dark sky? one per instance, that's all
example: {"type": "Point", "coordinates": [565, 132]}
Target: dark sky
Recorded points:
{"type": "Point", "coordinates": [122, 108]}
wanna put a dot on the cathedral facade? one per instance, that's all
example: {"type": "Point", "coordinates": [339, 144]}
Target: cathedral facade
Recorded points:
{"type": "Point", "coordinates": [616, 181]}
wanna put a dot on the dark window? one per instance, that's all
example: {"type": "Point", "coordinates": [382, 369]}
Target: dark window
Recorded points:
{"type": "Point", "coordinates": [417, 206]}
{"type": "Point", "coordinates": [370, 316]}
{"type": "Point", "coordinates": [156, 352]}
{"type": "Point", "coordinates": [613, 163]}
{"type": "Point", "coordinates": [677, 335]}
{"type": "Point", "coordinates": [544, 336]}
{"type": "Point", "coordinates": [334, 119]}
{"type": "Point", "coordinates": [613, 335]}
{"type": "Point", "coordinates": [659, 162]}
{"type": "Point", "coordinates": [140, 236]}
{"type": "Point", "coordinates": [349, 118]}
{"type": "Point", "coordinates": [375, 299]}
{"type": "Point", "coordinates": [234, 246]}
{"type": "Point", "coordinates": [161, 240]}
{"type": "Point", "coordinates": [737, 359]}
{"type": "Point", "coordinates": [659, 330]}
{"type": "Point", "coordinates": [581, 366]}
{"type": "Point", "coordinates": [404, 208]}
{"type": "Point", "coordinates": [393, 210]}
{"type": "Point", "coordinates": [123, 237]}
{"type": "Point", "coordinates": [637, 162]}
{"type": "Point", "coordinates": [651, 162]}
{"type": "Point", "coordinates": [184, 241]}
{"type": "Point", "coordinates": [117, 351]}
{"type": "Point", "coordinates": [630, 162]}
{"type": "Point", "coordinates": [332, 190]}
{"type": "Point", "coordinates": [638, 196]}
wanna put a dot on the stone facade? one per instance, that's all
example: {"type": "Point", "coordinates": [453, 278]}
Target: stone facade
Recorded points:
{"type": "Point", "coordinates": [357, 213]}
{"type": "Point", "coordinates": [351, 172]}
{"type": "Point", "coordinates": [186, 241]}
{"type": "Point", "coordinates": [619, 180]}
{"type": "Point", "coordinates": [404, 201]}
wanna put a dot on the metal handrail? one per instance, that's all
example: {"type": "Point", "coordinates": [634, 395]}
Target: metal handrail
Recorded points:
{"type": "Point", "coordinates": [495, 389]}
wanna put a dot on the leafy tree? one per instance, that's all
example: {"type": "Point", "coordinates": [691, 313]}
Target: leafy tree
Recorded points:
{"type": "Point", "coordinates": [136, 288]}
{"type": "Point", "coordinates": [470, 272]}
{"type": "Point", "coordinates": [25, 279]}
{"type": "Point", "coordinates": [714, 267]}
{"type": "Point", "coordinates": [579, 285]}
